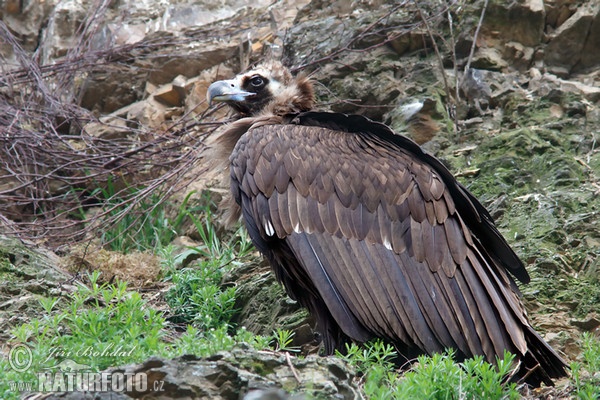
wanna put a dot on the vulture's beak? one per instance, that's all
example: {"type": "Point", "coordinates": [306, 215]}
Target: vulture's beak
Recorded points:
{"type": "Point", "coordinates": [226, 91]}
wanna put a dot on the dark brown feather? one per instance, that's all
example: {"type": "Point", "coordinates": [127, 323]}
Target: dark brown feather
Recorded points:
{"type": "Point", "coordinates": [377, 238]}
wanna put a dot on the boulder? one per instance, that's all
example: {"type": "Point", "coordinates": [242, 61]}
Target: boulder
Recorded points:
{"type": "Point", "coordinates": [574, 44]}
{"type": "Point", "coordinates": [242, 373]}
{"type": "Point", "coordinates": [515, 21]}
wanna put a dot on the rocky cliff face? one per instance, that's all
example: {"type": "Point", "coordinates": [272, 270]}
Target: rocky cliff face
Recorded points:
{"type": "Point", "coordinates": [507, 96]}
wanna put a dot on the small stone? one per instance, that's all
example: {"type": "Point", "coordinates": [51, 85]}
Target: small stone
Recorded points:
{"type": "Point", "coordinates": [169, 95]}
{"type": "Point", "coordinates": [587, 325]}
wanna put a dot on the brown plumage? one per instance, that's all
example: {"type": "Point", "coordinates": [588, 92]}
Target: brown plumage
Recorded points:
{"type": "Point", "coordinates": [370, 233]}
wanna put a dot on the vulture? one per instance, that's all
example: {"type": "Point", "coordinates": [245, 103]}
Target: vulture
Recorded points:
{"type": "Point", "coordinates": [369, 232]}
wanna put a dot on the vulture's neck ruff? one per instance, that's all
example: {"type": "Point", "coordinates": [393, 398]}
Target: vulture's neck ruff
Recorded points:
{"type": "Point", "coordinates": [370, 233]}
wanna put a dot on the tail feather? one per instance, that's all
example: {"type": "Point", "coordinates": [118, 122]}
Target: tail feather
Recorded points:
{"type": "Point", "coordinates": [541, 364]}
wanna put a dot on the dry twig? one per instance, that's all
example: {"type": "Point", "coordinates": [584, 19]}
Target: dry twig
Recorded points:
{"type": "Point", "coordinates": [52, 171]}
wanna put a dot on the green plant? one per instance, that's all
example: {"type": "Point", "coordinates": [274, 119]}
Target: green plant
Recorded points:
{"type": "Point", "coordinates": [485, 379]}
{"type": "Point", "coordinates": [363, 358]}
{"type": "Point", "coordinates": [258, 342]}
{"type": "Point", "coordinates": [144, 227]}
{"type": "Point", "coordinates": [197, 295]}
{"type": "Point", "coordinates": [206, 343]}
{"type": "Point", "coordinates": [591, 352]}
{"type": "Point", "coordinates": [435, 377]}
{"type": "Point", "coordinates": [237, 246]}
{"type": "Point", "coordinates": [283, 340]}
{"type": "Point", "coordinates": [439, 377]}
{"type": "Point", "coordinates": [98, 326]}
{"type": "Point", "coordinates": [587, 389]}
{"type": "Point", "coordinates": [212, 305]}
{"type": "Point", "coordinates": [104, 325]}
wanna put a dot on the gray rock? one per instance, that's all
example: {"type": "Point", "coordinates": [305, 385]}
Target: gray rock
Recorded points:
{"type": "Point", "coordinates": [515, 21]}
{"type": "Point", "coordinates": [29, 272]}
{"type": "Point", "coordinates": [565, 51]}
{"type": "Point", "coordinates": [242, 373]}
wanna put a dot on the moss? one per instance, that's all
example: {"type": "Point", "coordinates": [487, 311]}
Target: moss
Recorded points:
{"type": "Point", "coordinates": [8, 272]}
{"type": "Point", "coordinates": [553, 289]}
{"type": "Point", "coordinates": [294, 320]}
{"type": "Point", "coordinates": [289, 385]}
{"type": "Point", "coordinates": [543, 171]}
{"type": "Point", "coordinates": [260, 368]}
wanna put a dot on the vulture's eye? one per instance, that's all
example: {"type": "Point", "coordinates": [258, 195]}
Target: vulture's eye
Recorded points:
{"type": "Point", "coordinates": [257, 81]}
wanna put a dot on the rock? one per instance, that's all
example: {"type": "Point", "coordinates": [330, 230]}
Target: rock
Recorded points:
{"type": "Point", "coordinates": [59, 37]}
{"type": "Point", "coordinates": [557, 12]}
{"type": "Point", "coordinates": [565, 50]}
{"type": "Point", "coordinates": [515, 21]}
{"type": "Point", "coordinates": [489, 58]}
{"type": "Point", "coordinates": [263, 305]}
{"type": "Point", "coordinates": [548, 83]}
{"type": "Point", "coordinates": [409, 42]}
{"type": "Point", "coordinates": [519, 57]}
{"type": "Point", "coordinates": [241, 373]}
{"type": "Point", "coordinates": [107, 91]}
{"type": "Point", "coordinates": [26, 20]}
{"type": "Point", "coordinates": [319, 31]}
{"type": "Point", "coordinates": [590, 56]}
{"type": "Point", "coordinates": [110, 128]}
{"type": "Point", "coordinates": [588, 324]}
{"type": "Point", "coordinates": [191, 59]}
{"type": "Point", "coordinates": [28, 273]}
{"type": "Point", "coordinates": [170, 95]}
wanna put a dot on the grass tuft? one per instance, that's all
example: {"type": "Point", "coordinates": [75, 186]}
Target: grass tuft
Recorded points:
{"type": "Point", "coordinates": [586, 374]}
{"type": "Point", "coordinates": [148, 227]}
{"type": "Point", "coordinates": [435, 377]}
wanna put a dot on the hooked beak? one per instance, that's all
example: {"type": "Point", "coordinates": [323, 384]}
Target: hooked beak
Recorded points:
{"type": "Point", "coordinates": [225, 91]}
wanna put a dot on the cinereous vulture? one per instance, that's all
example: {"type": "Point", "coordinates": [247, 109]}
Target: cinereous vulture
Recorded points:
{"type": "Point", "coordinates": [371, 233]}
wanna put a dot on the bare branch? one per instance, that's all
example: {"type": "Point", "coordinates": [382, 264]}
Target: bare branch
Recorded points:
{"type": "Point", "coordinates": [53, 171]}
{"type": "Point", "coordinates": [476, 35]}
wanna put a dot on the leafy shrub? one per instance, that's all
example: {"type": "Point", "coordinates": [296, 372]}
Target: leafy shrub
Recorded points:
{"type": "Point", "coordinates": [435, 377]}
{"type": "Point", "coordinates": [587, 389]}
{"type": "Point", "coordinates": [197, 295]}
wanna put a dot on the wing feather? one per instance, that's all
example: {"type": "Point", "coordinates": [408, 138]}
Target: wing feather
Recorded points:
{"type": "Point", "coordinates": [382, 237]}
{"type": "Point", "coordinates": [397, 318]}
{"type": "Point", "coordinates": [416, 204]}
{"type": "Point", "coordinates": [485, 347]}
{"type": "Point", "coordinates": [343, 216]}
{"type": "Point", "coordinates": [441, 317]}
{"type": "Point", "coordinates": [401, 238]}
{"type": "Point", "coordinates": [284, 216]}
{"type": "Point", "coordinates": [456, 241]}
{"type": "Point", "coordinates": [341, 257]}
{"type": "Point", "coordinates": [328, 217]}
{"type": "Point", "coordinates": [441, 210]}
{"type": "Point", "coordinates": [417, 250]}
{"type": "Point", "coordinates": [275, 215]}
{"type": "Point", "coordinates": [428, 234]}
{"type": "Point", "coordinates": [305, 250]}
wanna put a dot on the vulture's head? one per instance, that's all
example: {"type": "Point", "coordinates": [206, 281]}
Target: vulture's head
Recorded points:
{"type": "Point", "coordinates": [268, 88]}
